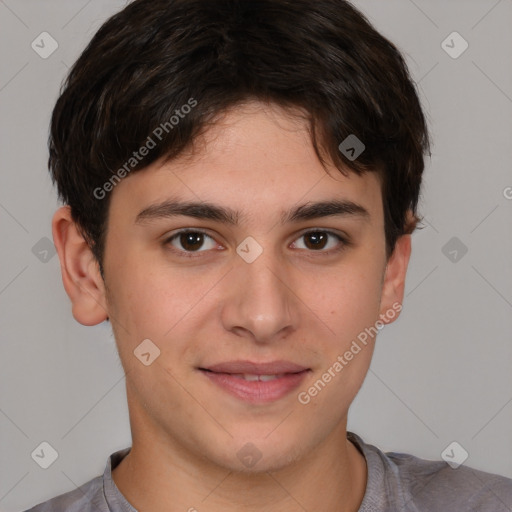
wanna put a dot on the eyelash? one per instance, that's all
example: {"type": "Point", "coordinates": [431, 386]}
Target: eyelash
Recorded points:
{"type": "Point", "coordinates": [344, 242]}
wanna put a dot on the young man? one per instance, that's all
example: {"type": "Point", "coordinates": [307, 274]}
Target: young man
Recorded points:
{"type": "Point", "coordinates": [241, 181]}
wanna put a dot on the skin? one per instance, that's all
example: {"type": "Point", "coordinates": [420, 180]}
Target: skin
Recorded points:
{"type": "Point", "coordinates": [293, 303]}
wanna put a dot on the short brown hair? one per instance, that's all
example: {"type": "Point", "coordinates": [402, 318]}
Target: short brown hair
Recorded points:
{"type": "Point", "coordinates": [149, 60]}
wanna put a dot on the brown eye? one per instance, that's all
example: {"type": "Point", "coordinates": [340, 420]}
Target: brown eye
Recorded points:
{"type": "Point", "coordinates": [189, 241]}
{"type": "Point", "coordinates": [318, 240]}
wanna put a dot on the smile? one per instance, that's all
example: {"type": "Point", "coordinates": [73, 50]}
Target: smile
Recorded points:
{"type": "Point", "coordinates": [256, 382]}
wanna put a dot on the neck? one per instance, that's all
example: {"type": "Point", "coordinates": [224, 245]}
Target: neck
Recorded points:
{"type": "Point", "coordinates": [159, 475]}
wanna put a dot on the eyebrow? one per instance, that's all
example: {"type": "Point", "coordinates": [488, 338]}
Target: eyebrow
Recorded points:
{"type": "Point", "coordinates": [204, 210]}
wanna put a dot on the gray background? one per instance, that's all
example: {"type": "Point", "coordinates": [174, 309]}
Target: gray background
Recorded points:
{"type": "Point", "coordinates": [441, 373]}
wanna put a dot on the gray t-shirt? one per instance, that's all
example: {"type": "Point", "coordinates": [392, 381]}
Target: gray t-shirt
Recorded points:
{"type": "Point", "coordinates": [397, 482]}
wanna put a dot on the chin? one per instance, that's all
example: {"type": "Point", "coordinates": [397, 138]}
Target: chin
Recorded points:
{"type": "Point", "coordinates": [257, 456]}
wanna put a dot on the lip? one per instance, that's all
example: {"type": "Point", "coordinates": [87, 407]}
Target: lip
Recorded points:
{"type": "Point", "coordinates": [244, 366]}
{"type": "Point", "coordinates": [227, 376]}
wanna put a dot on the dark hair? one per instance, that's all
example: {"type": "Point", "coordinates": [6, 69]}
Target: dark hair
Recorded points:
{"type": "Point", "coordinates": [154, 57]}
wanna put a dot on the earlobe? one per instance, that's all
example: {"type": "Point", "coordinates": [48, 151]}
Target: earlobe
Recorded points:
{"type": "Point", "coordinates": [394, 279]}
{"type": "Point", "coordinates": [79, 269]}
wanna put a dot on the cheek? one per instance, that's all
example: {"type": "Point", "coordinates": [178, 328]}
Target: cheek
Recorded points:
{"type": "Point", "coordinates": [346, 355]}
{"type": "Point", "coordinates": [138, 304]}
{"type": "Point", "coordinates": [160, 303]}
{"type": "Point", "coordinates": [353, 300]}
{"type": "Point", "coordinates": [354, 310]}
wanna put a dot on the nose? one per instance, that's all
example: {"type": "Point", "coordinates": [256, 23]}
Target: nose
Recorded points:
{"type": "Point", "coordinates": [261, 303]}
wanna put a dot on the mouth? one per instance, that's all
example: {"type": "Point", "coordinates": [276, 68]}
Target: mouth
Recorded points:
{"type": "Point", "coordinates": [256, 382]}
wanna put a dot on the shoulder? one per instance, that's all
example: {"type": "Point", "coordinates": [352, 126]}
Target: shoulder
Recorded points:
{"type": "Point", "coordinates": [87, 498]}
{"type": "Point", "coordinates": [425, 485]}
{"type": "Point", "coordinates": [433, 482]}
{"type": "Point", "coordinates": [97, 495]}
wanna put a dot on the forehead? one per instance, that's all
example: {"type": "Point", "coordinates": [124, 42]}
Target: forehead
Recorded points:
{"type": "Point", "coordinates": [256, 159]}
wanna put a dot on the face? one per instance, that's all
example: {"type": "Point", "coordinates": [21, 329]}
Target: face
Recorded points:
{"type": "Point", "coordinates": [256, 301]}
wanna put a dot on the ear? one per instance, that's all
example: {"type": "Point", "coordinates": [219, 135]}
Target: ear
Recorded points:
{"type": "Point", "coordinates": [394, 280]}
{"type": "Point", "coordinates": [80, 270]}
